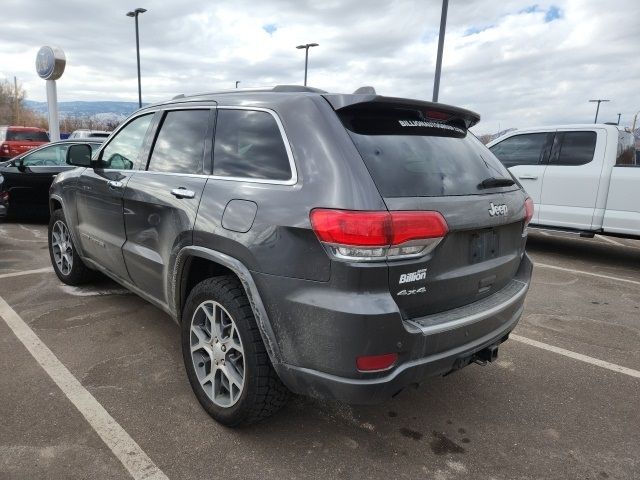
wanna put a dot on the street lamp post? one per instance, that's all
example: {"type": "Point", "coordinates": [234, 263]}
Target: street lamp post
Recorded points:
{"type": "Point", "coordinates": [599, 101]}
{"type": "Point", "coordinates": [135, 14]}
{"type": "Point", "coordinates": [237, 82]}
{"type": "Point", "coordinates": [619, 115]}
{"type": "Point", "coordinates": [306, 47]}
{"type": "Point", "coordinates": [443, 26]}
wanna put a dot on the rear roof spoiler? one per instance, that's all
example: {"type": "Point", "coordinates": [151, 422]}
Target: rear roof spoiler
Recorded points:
{"type": "Point", "coordinates": [339, 101]}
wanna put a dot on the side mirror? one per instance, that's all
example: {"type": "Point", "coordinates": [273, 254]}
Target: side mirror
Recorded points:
{"type": "Point", "coordinates": [79, 155]}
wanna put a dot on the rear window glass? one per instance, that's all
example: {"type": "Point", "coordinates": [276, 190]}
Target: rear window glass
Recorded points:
{"type": "Point", "coordinates": [413, 153]}
{"type": "Point", "coordinates": [576, 148]}
{"type": "Point", "coordinates": [626, 150]}
{"type": "Point", "coordinates": [27, 136]}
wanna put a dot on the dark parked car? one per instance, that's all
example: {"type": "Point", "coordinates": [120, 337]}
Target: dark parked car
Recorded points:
{"type": "Point", "coordinates": [27, 177]}
{"type": "Point", "coordinates": [335, 245]}
{"type": "Point", "coordinates": [18, 140]}
{"type": "Point", "coordinates": [4, 199]}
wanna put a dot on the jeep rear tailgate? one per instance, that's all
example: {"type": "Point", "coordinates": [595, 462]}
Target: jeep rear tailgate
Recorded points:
{"type": "Point", "coordinates": [422, 158]}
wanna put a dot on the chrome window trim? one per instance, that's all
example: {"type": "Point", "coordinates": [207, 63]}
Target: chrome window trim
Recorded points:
{"type": "Point", "coordinates": [283, 134]}
{"type": "Point", "coordinates": [292, 164]}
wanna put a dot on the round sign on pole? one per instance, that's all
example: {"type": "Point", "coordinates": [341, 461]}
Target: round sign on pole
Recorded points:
{"type": "Point", "coordinates": [50, 63]}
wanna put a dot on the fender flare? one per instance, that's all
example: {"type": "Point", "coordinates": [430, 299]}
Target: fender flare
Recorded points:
{"type": "Point", "coordinates": [250, 288]}
{"type": "Point", "coordinates": [72, 228]}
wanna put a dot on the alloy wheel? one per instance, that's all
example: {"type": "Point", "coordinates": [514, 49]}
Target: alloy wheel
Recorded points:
{"type": "Point", "coordinates": [217, 353]}
{"type": "Point", "coordinates": [62, 247]}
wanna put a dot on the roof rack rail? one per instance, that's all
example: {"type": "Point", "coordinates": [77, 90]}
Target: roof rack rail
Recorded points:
{"type": "Point", "coordinates": [276, 88]}
{"type": "Point", "coordinates": [296, 88]}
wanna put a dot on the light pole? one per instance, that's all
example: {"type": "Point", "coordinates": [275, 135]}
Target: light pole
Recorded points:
{"type": "Point", "coordinates": [619, 115]}
{"type": "Point", "coordinates": [599, 101]}
{"type": "Point", "coordinates": [237, 82]}
{"type": "Point", "coordinates": [443, 26]}
{"type": "Point", "coordinates": [306, 57]}
{"type": "Point", "coordinates": [135, 14]}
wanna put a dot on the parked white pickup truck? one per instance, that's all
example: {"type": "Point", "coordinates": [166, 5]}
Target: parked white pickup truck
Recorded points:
{"type": "Point", "coordinates": [581, 177]}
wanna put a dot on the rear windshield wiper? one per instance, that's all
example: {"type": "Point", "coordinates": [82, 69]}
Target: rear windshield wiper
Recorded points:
{"type": "Point", "coordinates": [496, 182]}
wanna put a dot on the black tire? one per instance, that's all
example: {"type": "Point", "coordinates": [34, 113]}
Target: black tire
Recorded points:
{"type": "Point", "coordinates": [263, 393]}
{"type": "Point", "coordinates": [79, 272]}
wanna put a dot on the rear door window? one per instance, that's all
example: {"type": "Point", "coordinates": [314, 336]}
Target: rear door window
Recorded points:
{"type": "Point", "coordinates": [27, 136]}
{"type": "Point", "coordinates": [249, 145]}
{"type": "Point", "coordinates": [574, 148]}
{"type": "Point", "coordinates": [409, 154]}
{"type": "Point", "coordinates": [525, 149]}
{"type": "Point", "coordinates": [179, 147]}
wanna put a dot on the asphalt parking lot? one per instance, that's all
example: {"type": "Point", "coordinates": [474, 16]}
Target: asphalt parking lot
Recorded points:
{"type": "Point", "coordinates": [562, 401]}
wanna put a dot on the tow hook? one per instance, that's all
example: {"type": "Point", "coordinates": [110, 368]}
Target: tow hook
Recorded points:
{"type": "Point", "coordinates": [489, 354]}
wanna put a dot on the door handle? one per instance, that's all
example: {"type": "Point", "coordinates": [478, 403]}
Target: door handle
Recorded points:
{"type": "Point", "coordinates": [115, 184]}
{"type": "Point", "coordinates": [528, 177]}
{"type": "Point", "coordinates": [183, 193]}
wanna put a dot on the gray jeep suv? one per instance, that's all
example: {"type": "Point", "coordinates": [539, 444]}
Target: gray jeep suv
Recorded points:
{"type": "Point", "coordinates": [335, 245]}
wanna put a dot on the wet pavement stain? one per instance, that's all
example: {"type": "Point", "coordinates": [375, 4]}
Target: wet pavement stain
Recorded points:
{"type": "Point", "coordinates": [413, 434]}
{"type": "Point", "coordinates": [392, 414]}
{"type": "Point", "coordinates": [443, 445]}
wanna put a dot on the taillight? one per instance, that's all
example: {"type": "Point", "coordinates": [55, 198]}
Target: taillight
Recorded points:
{"type": "Point", "coordinates": [376, 363]}
{"type": "Point", "coordinates": [4, 196]}
{"type": "Point", "coordinates": [528, 211]}
{"type": "Point", "coordinates": [365, 235]}
{"type": "Point", "coordinates": [5, 148]}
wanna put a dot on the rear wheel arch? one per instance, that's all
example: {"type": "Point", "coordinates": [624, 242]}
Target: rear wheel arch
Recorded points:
{"type": "Point", "coordinates": [54, 204]}
{"type": "Point", "coordinates": [195, 264]}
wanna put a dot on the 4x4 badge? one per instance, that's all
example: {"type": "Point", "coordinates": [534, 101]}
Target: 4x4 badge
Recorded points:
{"type": "Point", "coordinates": [412, 291]}
{"type": "Point", "coordinates": [497, 209]}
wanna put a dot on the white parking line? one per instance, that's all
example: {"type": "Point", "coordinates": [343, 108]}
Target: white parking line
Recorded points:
{"type": "Point", "coordinates": [610, 240]}
{"type": "Point", "coordinates": [578, 356]}
{"type": "Point", "coordinates": [26, 272]}
{"type": "Point", "coordinates": [582, 272]}
{"type": "Point", "coordinates": [134, 459]}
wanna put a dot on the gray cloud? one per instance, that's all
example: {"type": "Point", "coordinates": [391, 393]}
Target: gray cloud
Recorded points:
{"type": "Point", "coordinates": [503, 59]}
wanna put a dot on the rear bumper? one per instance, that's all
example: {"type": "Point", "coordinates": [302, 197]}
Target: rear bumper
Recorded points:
{"type": "Point", "coordinates": [320, 338]}
{"type": "Point", "coordinates": [375, 390]}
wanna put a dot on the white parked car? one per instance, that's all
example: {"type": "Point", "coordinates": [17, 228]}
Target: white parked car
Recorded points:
{"type": "Point", "coordinates": [84, 133]}
{"type": "Point", "coordinates": [581, 177]}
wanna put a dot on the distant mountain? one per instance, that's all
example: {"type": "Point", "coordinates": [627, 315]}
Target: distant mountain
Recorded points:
{"type": "Point", "coordinates": [86, 109]}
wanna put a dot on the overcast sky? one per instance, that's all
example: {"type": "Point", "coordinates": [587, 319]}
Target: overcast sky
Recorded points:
{"type": "Point", "coordinates": [517, 63]}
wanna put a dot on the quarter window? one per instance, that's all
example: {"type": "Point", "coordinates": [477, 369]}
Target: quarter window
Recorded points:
{"type": "Point", "coordinates": [526, 149]}
{"type": "Point", "coordinates": [179, 147]}
{"type": "Point", "coordinates": [248, 144]}
{"type": "Point", "coordinates": [574, 148]}
{"type": "Point", "coordinates": [123, 150]}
